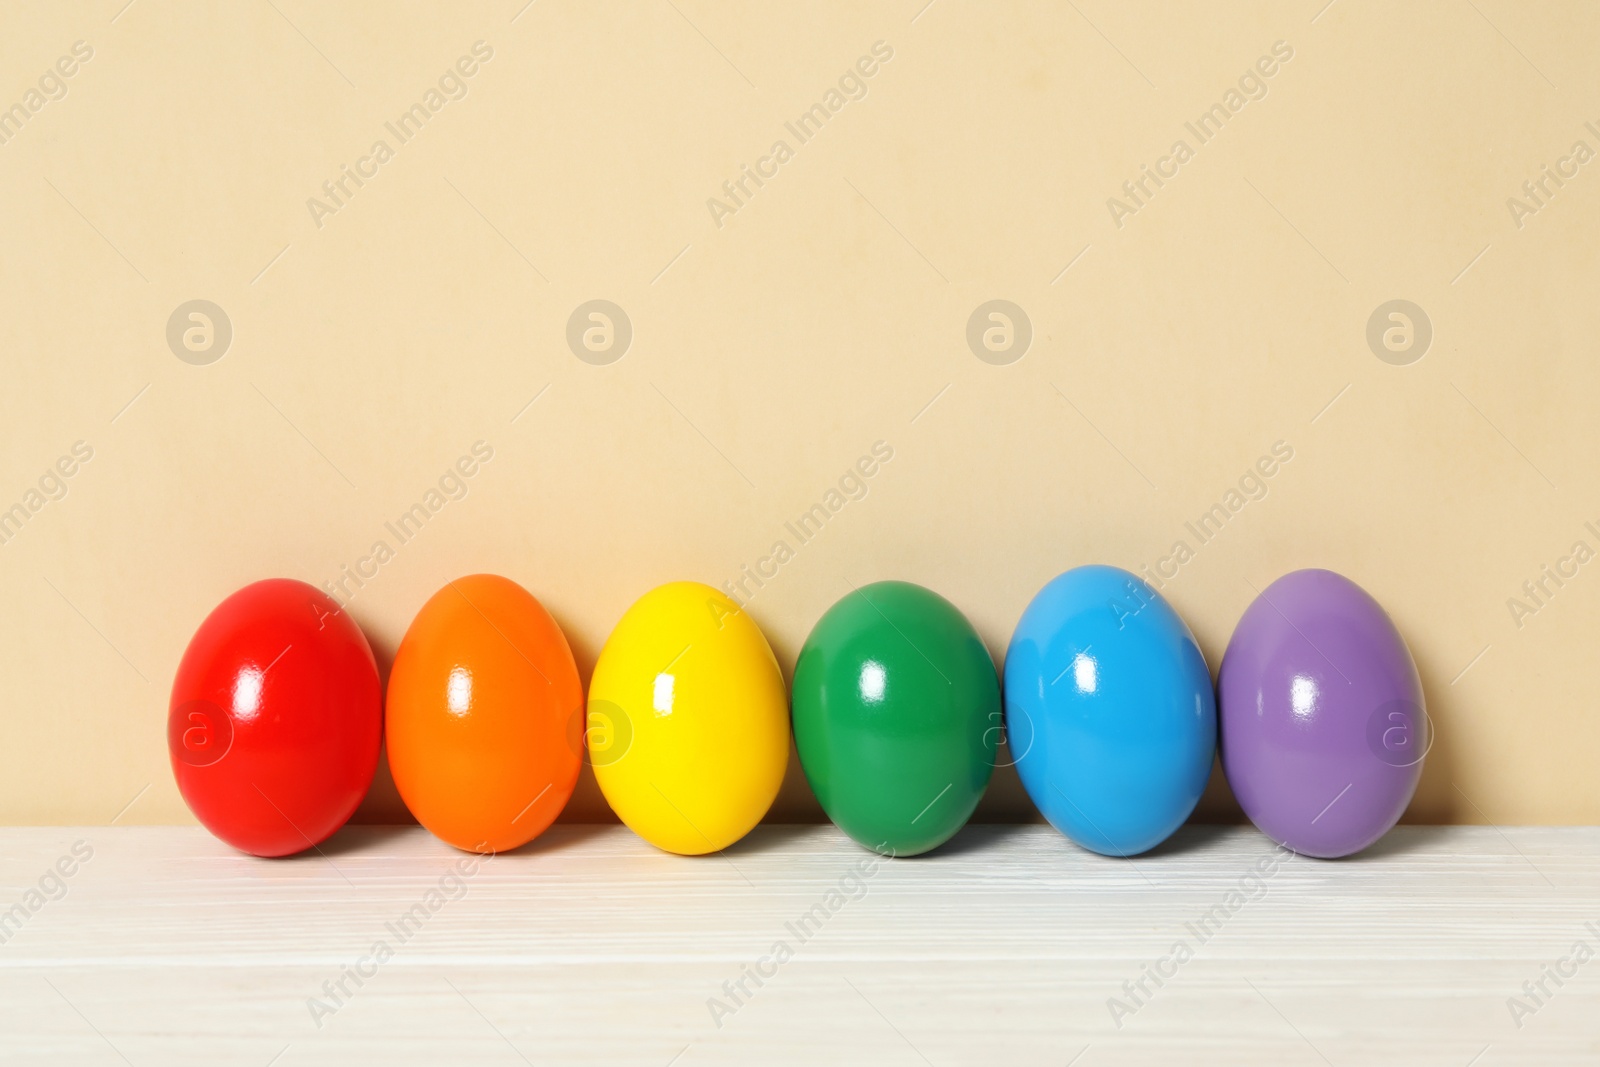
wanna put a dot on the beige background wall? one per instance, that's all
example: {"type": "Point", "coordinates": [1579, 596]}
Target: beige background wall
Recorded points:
{"type": "Point", "coordinates": [828, 312]}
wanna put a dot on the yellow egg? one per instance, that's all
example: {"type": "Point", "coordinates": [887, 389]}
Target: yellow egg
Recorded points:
{"type": "Point", "coordinates": [688, 720]}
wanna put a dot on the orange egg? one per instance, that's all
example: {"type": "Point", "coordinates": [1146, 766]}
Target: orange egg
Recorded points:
{"type": "Point", "coordinates": [484, 715]}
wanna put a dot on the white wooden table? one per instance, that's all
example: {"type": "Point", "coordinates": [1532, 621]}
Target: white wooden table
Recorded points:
{"type": "Point", "coordinates": [1007, 946]}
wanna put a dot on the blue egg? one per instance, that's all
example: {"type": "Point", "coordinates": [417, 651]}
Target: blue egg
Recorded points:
{"type": "Point", "coordinates": [1109, 709]}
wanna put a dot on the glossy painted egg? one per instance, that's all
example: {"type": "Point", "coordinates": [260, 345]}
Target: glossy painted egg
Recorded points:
{"type": "Point", "coordinates": [1323, 725]}
{"type": "Point", "coordinates": [688, 727]}
{"type": "Point", "coordinates": [896, 716]}
{"type": "Point", "coordinates": [483, 713]}
{"type": "Point", "coordinates": [275, 721]}
{"type": "Point", "coordinates": [1109, 710]}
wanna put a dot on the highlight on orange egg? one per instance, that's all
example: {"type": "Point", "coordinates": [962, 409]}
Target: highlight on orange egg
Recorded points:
{"type": "Point", "coordinates": [481, 701]}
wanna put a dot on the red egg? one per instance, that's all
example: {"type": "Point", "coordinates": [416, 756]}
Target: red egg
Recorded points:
{"type": "Point", "coordinates": [276, 719]}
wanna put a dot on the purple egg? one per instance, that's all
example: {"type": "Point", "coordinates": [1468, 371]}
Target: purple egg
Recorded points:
{"type": "Point", "coordinates": [1323, 730]}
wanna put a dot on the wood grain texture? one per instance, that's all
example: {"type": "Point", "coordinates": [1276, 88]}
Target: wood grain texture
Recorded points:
{"type": "Point", "coordinates": [1004, 947]}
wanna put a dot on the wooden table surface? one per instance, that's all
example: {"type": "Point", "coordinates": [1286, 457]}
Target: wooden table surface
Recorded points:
{"type": "Point", "coordinates": [1009, 945]}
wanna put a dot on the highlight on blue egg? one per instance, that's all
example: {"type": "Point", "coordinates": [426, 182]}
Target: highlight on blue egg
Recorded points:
{"type": "Point", "coordinates": [1109, 710]}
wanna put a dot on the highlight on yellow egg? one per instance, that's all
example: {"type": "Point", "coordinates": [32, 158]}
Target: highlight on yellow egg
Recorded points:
{"type": "Point", "coordinates": [688, 721]}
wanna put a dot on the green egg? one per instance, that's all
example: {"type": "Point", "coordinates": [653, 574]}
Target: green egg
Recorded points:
{"type": "Point", "coordinates": [896, 717]}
